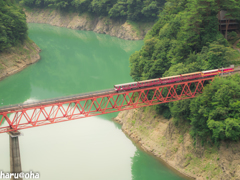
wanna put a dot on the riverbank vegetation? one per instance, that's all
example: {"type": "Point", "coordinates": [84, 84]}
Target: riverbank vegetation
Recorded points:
{"type": "Point", "coordinates": [135, 10]}
{"type": "Point", "coordinates": [186, 39]}
{"type": "Point", "coordinates": [215, 113]}
{"type": "Point", "coordinates": [16, 49]}
{"type": "Point", "coordinates": [13, 27]}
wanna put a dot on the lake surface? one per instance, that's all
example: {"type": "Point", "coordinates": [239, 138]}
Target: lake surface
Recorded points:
{"type": "Point", "coordinates": [92, 148]}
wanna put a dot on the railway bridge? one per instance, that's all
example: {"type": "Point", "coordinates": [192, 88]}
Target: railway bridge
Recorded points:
{"type": "Point", "coordinates": [51, 111]}
{"type": "Point", "coordinates": [29, 115]}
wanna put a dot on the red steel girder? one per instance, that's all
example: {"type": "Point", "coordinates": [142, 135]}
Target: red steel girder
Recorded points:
{"type": "Point", "coordinates": [99, 104]}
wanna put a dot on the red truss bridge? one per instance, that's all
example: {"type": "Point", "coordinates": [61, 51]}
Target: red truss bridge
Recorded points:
{"type": "Point", "coordinates": [23, 116]}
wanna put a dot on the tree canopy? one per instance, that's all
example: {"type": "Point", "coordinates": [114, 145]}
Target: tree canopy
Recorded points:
{"type": "Point", "coordinates": [136, 10]}
{"type": "Point", "coordinates": [13, 27]}
{"type": "Point", "coordinates": [186, 39]}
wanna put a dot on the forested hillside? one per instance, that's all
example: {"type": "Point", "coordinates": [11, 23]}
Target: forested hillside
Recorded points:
{"type": "Point", "coordinates": [13, 27]}
{"type": "Point", "coordinates": [186, 39]}
{"type": "Point", "coordinates": [136, 10]}
{"type": "Point", "coordinates": [16, 49]}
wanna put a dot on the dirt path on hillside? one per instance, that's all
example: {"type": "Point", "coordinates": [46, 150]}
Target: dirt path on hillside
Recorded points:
{"type": "Point", "coordinates": [235, 45]}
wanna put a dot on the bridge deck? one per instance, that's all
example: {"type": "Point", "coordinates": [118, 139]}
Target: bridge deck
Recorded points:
{"type": "Point", "coordinates": [44, 112]}
{"type": "Point", "coordinates": [16, 107]}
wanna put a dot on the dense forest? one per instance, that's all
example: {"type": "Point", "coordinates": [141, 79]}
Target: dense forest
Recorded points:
{"type": "Point", "coordinates": [136, 10]}
{"type": "Point", "coordinates": [186, 39]}
{"type": "Point", "coordinates": [13, 27]}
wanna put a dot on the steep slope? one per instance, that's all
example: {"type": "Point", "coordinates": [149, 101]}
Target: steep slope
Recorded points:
{"type": "Point", "coordinates": [104, 25]}
{"type": "Point", "coordinates": [174, 145]}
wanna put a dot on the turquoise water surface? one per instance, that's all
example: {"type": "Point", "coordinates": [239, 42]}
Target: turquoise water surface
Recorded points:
{"type": "Point", "coordinates": [93, 148]}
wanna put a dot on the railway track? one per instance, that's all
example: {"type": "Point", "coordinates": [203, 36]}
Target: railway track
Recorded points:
{"type": "Point", "coordinates": [71, 98]}
{"type": "Point", "coordinates": [236, 70]}
{"type": "Point", "coordinates": [56, 100]}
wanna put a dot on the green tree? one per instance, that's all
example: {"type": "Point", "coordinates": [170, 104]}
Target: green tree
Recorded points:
{"type": "Point", "coordinates": [13, 27]}
{"type": "Point", "coordinates": [216, 112]}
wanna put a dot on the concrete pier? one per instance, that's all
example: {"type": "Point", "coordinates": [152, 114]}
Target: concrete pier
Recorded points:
{"type": "Point", "coordinates": [15, 160]}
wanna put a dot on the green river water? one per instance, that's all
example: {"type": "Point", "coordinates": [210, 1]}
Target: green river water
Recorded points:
{"type": "Point", "coordinates": [93, 148]}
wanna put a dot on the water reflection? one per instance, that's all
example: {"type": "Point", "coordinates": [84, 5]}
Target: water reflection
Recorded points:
{"type": "Point", "coordinates": [145, 167]}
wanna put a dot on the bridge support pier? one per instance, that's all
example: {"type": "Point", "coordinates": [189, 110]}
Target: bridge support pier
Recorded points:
{"type": "Point", "coordinates": [15, 160]}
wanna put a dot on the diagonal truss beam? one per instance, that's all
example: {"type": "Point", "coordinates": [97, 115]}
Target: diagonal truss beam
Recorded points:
{"type": "Point", "coordinates": [99, 104]}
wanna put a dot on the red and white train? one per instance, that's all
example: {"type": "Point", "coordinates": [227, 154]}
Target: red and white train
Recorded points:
{"type": "Point", "coordinates": [172, 79]}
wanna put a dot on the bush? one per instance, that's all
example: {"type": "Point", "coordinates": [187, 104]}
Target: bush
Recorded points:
{"type": "Point", "coordinates": [216, 112]}
{"type": "Point", "coordinates": [232, 35]}
{"type": "Point", "coordinates": [13, 27]}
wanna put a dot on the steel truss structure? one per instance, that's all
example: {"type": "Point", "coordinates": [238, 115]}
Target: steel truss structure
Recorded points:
{"type": "Point", "coordinates": [99, 104]}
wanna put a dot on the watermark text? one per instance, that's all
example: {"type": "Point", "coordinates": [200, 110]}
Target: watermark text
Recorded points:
{"type": "Point", "coordinates": [25, 175]}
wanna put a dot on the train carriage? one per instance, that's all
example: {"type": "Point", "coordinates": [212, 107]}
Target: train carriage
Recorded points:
{"type": "Point", "coordinates": [150, 82]}
{"type": "Point", "coordinates": [228, 70]}
{"type": "Point", "coordinates": [213, 72]}
{"type": "Point", "coordinates": [190, 76]}
{"type": "Point", "coordinates": [172, 79]}
{"type": "Point", "coordinates": [125, 86]}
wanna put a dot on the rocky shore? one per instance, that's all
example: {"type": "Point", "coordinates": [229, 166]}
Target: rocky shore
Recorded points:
{"type": "Point", "coordinates": [104, 25]}
{"type": "Point", "coordinates": [174, 145]}
{"type": "Point", "coordinates": [17, 58]}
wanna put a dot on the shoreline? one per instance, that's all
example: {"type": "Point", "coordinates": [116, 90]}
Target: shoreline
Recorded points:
{"type": "Point", "coordinates": [18, 58]}
{"type": "Point", "coordinates": [174, 146]}
{"type": "Point", "coordinates": [103, 25]}
{"type": "Point", "coordinates": [138, 143]}
{"type": "Point", "coordinates": [162, 160]}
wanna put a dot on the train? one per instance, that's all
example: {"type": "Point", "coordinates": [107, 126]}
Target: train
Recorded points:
{"type": "Point", "coordinates": [172, 79]}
